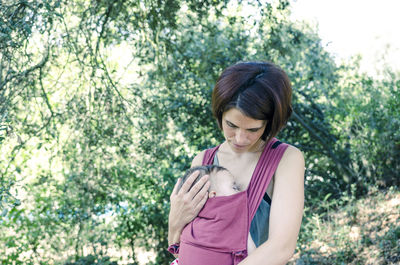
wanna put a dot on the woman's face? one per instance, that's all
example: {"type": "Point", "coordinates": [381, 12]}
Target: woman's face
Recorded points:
{"type": "Point", "coordinates": [242, 132]}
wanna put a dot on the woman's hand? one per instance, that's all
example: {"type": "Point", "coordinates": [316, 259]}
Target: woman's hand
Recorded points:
{"type": "Point", "coordinates": [186, 204]}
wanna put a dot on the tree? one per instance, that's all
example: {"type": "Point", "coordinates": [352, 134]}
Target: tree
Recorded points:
{"type": "Point", "coordinates": [110, 100]}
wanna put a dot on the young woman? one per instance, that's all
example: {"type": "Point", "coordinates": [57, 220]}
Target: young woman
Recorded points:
{"type": "Point", "coordinates": [252, 103]}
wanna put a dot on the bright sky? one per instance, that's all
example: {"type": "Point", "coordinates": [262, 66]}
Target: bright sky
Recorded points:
{"type": "Point", "coordinates": [350, 27]}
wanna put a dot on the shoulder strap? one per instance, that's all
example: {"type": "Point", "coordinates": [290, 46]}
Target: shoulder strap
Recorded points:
{"type": "Point", "coordinates": [263, 173]}
{"type": "Point", "coordinates": [209, 154]}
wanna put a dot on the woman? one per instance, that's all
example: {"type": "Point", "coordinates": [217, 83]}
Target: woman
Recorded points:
{"type": "Point", "coordinates": [251, 102]}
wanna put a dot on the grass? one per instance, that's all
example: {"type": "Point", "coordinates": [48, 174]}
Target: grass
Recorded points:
{"type": "Point", "coordinates": [366, 231]}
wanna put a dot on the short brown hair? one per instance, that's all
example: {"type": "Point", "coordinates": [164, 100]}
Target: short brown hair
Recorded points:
{"type": "Point", "coordinates": [204, 170]}
{"type": "Point", "coordinates": [260, 90]}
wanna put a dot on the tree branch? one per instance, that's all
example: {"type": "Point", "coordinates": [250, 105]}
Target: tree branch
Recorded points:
{"type": "Point", "coordinates": [27, 71]}
{"type": "Point", "coordinates": [326, 147]}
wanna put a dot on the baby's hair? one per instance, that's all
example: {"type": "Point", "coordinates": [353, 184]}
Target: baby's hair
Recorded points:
{"type": "Point", "coordinates": [204, 170]}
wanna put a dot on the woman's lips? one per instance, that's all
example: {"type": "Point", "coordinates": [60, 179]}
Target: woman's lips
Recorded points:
{"type": "Point", "coordinates": [239, 146]}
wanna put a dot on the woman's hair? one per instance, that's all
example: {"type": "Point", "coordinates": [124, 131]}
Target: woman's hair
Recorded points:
{"type": "Point", "coordinates": [204, 170]}
{"type": "Point", "coordinates": [260, 90]}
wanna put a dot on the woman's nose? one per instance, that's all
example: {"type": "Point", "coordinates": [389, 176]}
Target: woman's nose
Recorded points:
{"type": "Point", "coordinates": [240, 137]}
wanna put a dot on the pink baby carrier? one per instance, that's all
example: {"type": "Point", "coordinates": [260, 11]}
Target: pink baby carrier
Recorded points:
{"type": "Point", "coordinates": [218, 235]}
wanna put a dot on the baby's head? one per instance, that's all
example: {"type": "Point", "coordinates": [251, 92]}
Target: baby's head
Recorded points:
{"type": "Point", "coordinates": [221, 180]}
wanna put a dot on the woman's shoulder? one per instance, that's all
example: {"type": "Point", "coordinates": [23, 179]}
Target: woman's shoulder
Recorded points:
{"type": "Point", "coordinates": [289, 150]}
{"type": "Point", "coordinates": [293, 151]}
{"type": "Point", "coordinates": [198, 159]}
{"type": "Point", "coordinates": [292, 157]}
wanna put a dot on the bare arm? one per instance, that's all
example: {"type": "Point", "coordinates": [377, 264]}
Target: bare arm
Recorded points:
{"type": "Point", "coordinates": [286, 212]}
{"type": "Point", "coordinates": [186, 204]}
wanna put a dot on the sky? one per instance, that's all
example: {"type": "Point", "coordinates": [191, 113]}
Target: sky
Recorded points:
{"type": "Point", "coordinates": [351, 27]}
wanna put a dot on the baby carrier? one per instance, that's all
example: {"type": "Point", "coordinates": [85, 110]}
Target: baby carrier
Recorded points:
{"type": "Point", "coordinates": [218, 235]}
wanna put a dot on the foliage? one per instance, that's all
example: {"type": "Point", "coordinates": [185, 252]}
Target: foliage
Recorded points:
{"type": "Point", "coordinates": [362, 232]}
{"type": "Point", "coordinates": [369, 115]}
{"type": "Point", "coordinates": [104, 103]}
{"type": "Point", "coordinates": [92, 260]}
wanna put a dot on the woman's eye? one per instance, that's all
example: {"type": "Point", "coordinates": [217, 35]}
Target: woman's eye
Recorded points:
{"type": "Point", "coordinates": [231, 125]}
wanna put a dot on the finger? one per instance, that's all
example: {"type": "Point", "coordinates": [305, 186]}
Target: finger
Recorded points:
{"type": "Point", "coordinates": [189, 181]}
{"type": "Point", "coordinates": [198, 186]}
{"type": "Point", "coordinates": [200, 205]}
{"type": "Point", "coordinates": [175, 190]}
{"type": "Point", "coordinates": [198, 197]}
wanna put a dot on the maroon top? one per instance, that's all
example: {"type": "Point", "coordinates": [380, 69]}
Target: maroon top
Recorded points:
{"type": "Point", "coordinates": [218, 235]}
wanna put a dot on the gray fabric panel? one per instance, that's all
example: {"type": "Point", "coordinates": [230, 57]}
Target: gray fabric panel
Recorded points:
{"type": "Point", "coordinates": [260, 224]}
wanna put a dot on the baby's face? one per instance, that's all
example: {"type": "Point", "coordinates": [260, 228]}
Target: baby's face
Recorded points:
{"type": "Point", "coordinates": [223, 184]}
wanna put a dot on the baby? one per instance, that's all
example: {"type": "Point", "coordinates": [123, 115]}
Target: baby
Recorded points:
{"type": "Point", "coordinates": [222, 184]}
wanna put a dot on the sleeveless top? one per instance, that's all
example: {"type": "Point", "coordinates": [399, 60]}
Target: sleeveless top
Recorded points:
{"type": "Point", "coordinates": [218, 235]}
{"type": "Point", "coordinates": [259, 226]}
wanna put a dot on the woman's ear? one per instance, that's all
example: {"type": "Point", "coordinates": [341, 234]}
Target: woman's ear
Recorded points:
{"type": "Point", "coordinates": [212, 194]}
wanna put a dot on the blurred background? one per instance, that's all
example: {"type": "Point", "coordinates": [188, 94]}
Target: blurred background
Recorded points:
{"type": "Point", "coordinates": [104, 103]}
